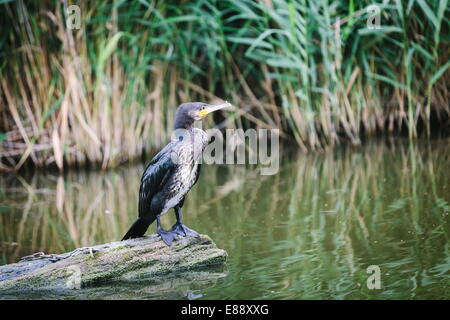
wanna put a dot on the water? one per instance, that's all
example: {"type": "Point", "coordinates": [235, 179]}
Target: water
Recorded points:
{"type": "Point", "coordinates": [309, 232]}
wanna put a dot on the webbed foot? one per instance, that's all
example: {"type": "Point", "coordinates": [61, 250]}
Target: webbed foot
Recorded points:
{"type": "Point", "coordinates": [167, 236]}
{"type": "Point", "coordinates": [182, 230]}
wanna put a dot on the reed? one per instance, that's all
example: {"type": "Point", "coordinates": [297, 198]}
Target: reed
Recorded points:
{"type": "Point", "coordinates": [106, 93]}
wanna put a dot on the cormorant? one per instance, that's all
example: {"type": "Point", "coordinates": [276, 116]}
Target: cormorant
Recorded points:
{"type": "Point", "coordinates": [171, 174]}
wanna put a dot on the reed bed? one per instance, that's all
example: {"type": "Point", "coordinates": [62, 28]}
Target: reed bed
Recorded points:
{"type": "Point", "coordinates": [106, 93]}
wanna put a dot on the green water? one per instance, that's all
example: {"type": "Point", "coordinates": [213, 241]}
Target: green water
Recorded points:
{"type": "Point", "coordinates": [308, 232]}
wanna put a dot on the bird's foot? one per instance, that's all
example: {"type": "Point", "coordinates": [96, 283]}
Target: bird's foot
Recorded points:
{"type": "Point", "coordinates": [182, 230]}
{"type": "Point", "coordinates": [167, 236]}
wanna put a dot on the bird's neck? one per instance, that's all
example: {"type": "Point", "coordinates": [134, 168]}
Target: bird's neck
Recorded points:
{"type": "Point", "coordinates": [185, 127]}
{"type": "Point", "coordinates": [184, 130]}
{"type": "Point", "coordinates": [181, 122]}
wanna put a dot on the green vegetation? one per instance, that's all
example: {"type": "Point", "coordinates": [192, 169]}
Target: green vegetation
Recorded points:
{"type": "Point", "coordinates": [107, 93]}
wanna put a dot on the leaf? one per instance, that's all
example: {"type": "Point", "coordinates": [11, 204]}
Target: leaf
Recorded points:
{"type": "Point", "coordinates": [250, 41]}
{"type": "Point", "coordinates": [443, 204]}
{"type": "Point", "coordinates": [264, 35]}
{"type": "Point", "coordinates": [108, 50]}
{"type": "Point", "coordinates": [380, 31]}
{"type": "Point", "coordinates": [439, 73]}
{"type": "Point", "coordinates": [428, 12]}
{"type": "Point", "coordinates": [425, 53]}
{"type": "Point", "coordinates": [388, 80]}
{"type": "Point", "coordinates": [397, 205]}
{"type": "Point", "coordinates": [284, 63]}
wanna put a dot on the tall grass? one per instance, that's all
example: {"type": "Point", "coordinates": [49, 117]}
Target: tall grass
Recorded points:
{"type": "Point", "coordinates": [107, 93]}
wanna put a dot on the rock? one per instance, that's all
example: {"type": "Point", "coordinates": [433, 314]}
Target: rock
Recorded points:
{"type": "Point", "coordinates": [116, 267]}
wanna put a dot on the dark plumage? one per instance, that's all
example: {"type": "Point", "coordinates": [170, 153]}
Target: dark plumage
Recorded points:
{"type": "Point", "coordinates": [171, 174]}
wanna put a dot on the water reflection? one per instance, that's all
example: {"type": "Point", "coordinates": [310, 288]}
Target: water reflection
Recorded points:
{"type": "Point", "coordinates": [308, 232]}
{"type": "Point", "coordinates": [183, 285]}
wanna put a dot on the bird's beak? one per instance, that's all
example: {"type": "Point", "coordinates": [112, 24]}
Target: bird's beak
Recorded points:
{"type": "Point", "coordinates": [213, 107]}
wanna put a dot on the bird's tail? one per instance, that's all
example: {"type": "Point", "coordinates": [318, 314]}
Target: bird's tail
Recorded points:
{"type": "Point", "coordinates": [138, 228]}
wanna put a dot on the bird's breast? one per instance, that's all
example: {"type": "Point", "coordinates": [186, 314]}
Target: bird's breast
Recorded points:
{"type": "Point", "coordinates": [186, 154]}
{"type": "Point", "coordinates": [180, 184]}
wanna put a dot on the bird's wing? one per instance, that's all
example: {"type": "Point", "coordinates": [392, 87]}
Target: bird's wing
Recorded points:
{"type": "Point", "coordinates": [198, 172]}
{"type": "Point", "coordinates": [154, 177]}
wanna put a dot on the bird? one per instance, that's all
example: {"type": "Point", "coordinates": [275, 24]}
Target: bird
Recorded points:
{"type": "Point", "coordinates": [172, 172]}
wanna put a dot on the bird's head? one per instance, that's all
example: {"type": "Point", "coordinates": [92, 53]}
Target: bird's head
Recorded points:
{"type": "Point", "coordinates": [189, 112]}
